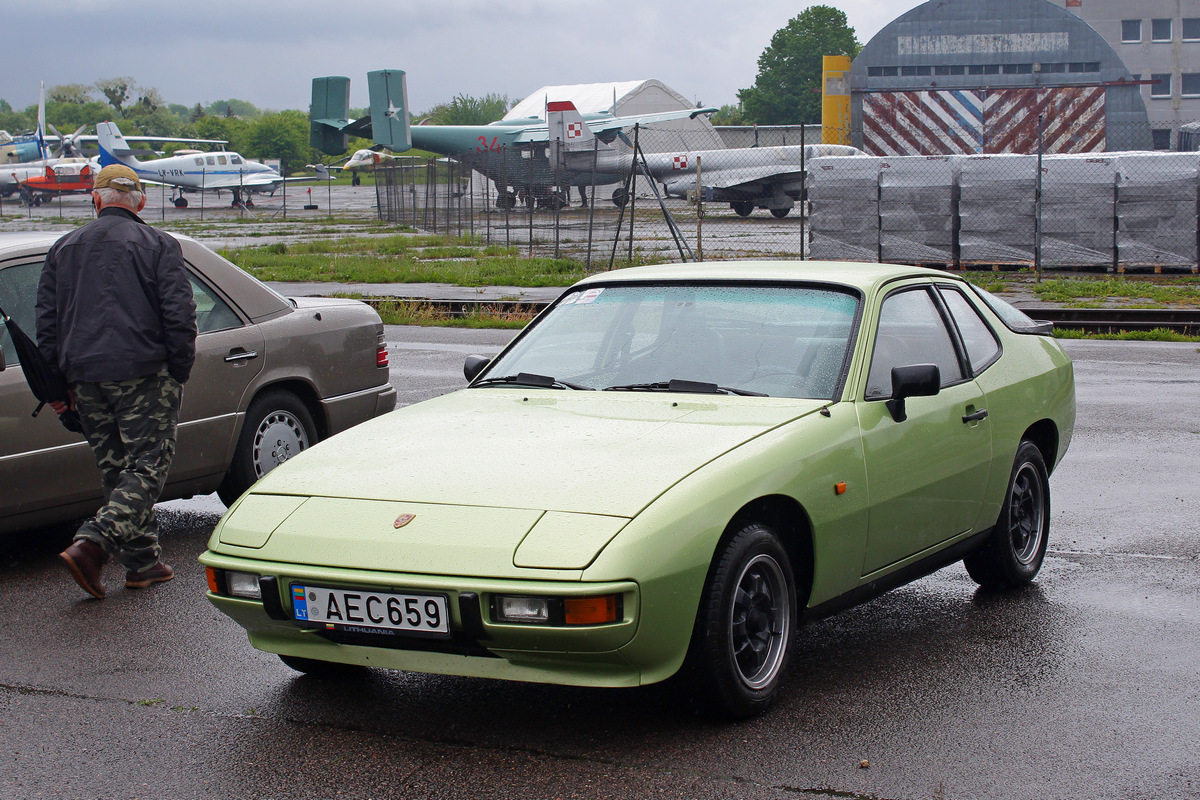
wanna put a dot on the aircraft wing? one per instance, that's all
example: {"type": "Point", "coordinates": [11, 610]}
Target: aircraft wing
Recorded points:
{"type": "Point", "coordinates": [540, 130]}
{"type": "Point", "coordinates": [734, 178]}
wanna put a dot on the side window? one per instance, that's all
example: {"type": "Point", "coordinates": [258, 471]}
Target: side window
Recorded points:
{"type": "Point", "coordinates": [212, 313]}
{"type": "Point", "coordinates": [911, 331]}
{"type": "Point", "coordinates": [221, 160]}
{"type": "Point", "coordinates": [18, 294]}
{"type": "Point", "coordinates": [981, 344]}
{"type": "Point", "coordinates": [211, 160]}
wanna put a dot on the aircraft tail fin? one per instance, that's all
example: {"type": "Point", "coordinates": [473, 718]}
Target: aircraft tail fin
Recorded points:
{"type": "Point", "coordinates": [113, 147]}
{"type": "Point", "coordinates": [328, 115]}
{"type": "Point", "coordinates": [568, 126]}
{"type": "Point", "coordinates": [389, 109]}
{"type": "Point", "coordinates": [43, 150]}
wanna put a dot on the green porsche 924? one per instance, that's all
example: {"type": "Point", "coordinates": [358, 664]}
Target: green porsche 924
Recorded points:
{"type": "Point", "coordinates": [668, 471]}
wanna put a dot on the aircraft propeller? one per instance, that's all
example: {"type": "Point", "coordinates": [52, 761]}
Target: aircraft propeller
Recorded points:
{"type": "Point", "coordinates": [68, 146]}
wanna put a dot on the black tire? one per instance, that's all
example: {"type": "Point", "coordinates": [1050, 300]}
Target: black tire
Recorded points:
{"type": "Point", "coordinates": [322, 669]}
{"type": "Point", "coordinates": [780, 213]}
{"type": "Point", "coordinates": [277, 427]}
{"type": "Point", "coordinates": [181, 202]}
{"type": "Point", "coordinates": [620, 197]}
{"type": "Point", "coordinates": [741, 208]}
{"type": "Point", "coordinates": [745, 627]}
{"type": "Point", "coordinates": [1016, 548]}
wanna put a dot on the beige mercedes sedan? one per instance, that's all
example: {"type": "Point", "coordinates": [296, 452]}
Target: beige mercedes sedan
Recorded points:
{"type": "Point", "coordinates": [273, 375]}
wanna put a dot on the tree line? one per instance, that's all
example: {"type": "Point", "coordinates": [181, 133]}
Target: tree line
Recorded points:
{"type": "Point", "coordinates": [787, 90]}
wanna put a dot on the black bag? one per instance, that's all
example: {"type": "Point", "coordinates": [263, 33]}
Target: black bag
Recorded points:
{"type": "Point", "coordinates": [45, 381]}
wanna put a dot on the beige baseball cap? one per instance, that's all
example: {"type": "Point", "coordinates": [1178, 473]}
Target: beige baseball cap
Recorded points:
{"type": "Point", "coordinates": [119, 177]}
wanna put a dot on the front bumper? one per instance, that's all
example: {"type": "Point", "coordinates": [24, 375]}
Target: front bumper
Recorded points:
{"type": "Point", "coordinates": [478, 646]}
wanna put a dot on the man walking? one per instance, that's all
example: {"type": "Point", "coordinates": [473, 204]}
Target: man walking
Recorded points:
{"type": "Point", "coordinates": [115, 313]}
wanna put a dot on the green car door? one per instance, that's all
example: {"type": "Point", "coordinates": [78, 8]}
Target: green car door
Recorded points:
{"type": "Point", "coordinates": [926, 474]}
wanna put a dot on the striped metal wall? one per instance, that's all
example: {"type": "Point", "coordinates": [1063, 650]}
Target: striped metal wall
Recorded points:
{"type": "Point", "coordinates": [958, 121]}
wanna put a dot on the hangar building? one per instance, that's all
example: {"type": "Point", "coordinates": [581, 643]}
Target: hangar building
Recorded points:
{"type": "Point", "coordinates": [973, 76]}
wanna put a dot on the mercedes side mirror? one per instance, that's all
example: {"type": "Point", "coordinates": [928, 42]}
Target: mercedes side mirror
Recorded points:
{"type": "Point", "coordinates": [474, 365]}
{"type": "Point", "coordinates": [915, 380]}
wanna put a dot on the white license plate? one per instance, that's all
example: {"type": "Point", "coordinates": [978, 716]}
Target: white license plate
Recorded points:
{"type": "Point", "coordinates": [347, 609]}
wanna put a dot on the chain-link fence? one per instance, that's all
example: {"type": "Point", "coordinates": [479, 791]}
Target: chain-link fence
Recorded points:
{"type": "Point", "coordinates": [637, 200]}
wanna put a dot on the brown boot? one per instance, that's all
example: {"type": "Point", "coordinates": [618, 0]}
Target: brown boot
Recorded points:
{"type": "Point", "coordinates": [85, 560]}
{"type": "Point", "coordinates": [158, 573]}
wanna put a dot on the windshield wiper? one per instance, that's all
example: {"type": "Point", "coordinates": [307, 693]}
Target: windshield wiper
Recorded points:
{"type": "Point", "coordinates": [676, 385]}
{"type": "Point", "coordinates": [532, 379]}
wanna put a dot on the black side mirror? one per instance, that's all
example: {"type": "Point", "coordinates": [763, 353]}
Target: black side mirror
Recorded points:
{"type": "Point", "coordinates": [915, 380]}
{"type": "Point", "coordinates": [474, 365]}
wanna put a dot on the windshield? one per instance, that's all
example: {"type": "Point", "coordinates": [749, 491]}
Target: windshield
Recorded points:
{"type": "Point", "coordinates": [783, 341]}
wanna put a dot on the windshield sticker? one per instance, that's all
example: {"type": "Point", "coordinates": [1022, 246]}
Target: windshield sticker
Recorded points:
{"type": "Point", "coordinates": [589, 296]}
{"type": "Point", "coordinates": [569, 299]}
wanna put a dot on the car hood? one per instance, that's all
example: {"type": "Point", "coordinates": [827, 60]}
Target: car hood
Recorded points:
{"type": "Point", "coordinates": [605, 453]}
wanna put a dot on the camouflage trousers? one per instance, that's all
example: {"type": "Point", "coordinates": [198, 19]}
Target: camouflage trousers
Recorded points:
{"type": "Point", "coordinates": [131, 428]}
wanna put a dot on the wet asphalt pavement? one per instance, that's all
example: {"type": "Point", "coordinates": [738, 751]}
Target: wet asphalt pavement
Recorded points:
{"type": "Point", "coordinates": [1085, 685]}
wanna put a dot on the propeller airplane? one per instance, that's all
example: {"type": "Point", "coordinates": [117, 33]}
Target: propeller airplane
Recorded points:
{"type": "Point", "coordinates": [514, 154]}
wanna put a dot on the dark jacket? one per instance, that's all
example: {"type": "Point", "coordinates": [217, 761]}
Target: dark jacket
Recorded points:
{"type": "Point", "coordinates": [115, 302]}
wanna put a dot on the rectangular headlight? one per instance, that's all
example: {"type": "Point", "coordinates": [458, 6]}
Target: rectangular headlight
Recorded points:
{"type": "Point", "coordinates": [527, 610]}
{"type": "Point", "coordinates": [243, 584]}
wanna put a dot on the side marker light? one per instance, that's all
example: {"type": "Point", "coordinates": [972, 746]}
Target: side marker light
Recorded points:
{"type": "Point", "coordinates": [840, 487]}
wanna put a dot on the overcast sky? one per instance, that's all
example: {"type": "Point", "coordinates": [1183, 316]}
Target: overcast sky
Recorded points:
{"type": "Point", "coordinates": [268, 52]}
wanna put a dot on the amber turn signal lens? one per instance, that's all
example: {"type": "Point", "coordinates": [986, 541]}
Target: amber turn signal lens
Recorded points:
{"type": "Point", "coordinates": [212, 580]}
{"type": "Point", "coordinates": [839, 488]}
{"type": "Point", "coordinates": [592, 610]}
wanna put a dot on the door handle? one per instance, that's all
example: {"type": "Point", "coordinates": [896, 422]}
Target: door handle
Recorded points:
{"type": "Point", "coordinates": [237, 354]}
{"type": "Point", "coordinates": [978, 415]}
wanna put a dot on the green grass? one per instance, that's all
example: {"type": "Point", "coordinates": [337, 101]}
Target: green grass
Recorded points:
{"type": "Point", "coordinates": [404, 259]}
{"type": "Point", "coordinates": [403, 313]}
{"type": "Point", "coordinates": [1155, 335]}
{"type": "Point", "coordinates": [1085, 292]}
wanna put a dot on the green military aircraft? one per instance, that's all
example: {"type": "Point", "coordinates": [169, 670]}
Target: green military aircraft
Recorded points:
{"type": "Point", "coordinates": [515, 154]}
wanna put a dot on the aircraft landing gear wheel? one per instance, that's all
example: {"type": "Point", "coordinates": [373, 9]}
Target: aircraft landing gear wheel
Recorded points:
{"type": "Point", "coordinates": [741, 208]}
{"type": "Point", "coordinates": [742, 642]}
{"type": "Point", "coordinates": [620, 197]}
{"type": "Point", "coordinates": [181, 202]}
{"type": "Point", "coordinates": [506, 200]}
{"type": "Point", "coordinates": [780, 213]}
{"type": "Point", "coordinates": [277, 426]}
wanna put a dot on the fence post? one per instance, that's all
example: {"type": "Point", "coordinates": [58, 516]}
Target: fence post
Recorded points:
{"type": "Point", "coordinates": [803, 194]}
{"type": "Point", "coordinates": [1037, 202]}
{"type": "Point", "coordinates": [699, 214]}
{"type": "Point", "coordinates": [530, 201]}
{"type": "Point", "coordinates": [591, 203]}
{"type": "Point", "coordinates": [633, 189]}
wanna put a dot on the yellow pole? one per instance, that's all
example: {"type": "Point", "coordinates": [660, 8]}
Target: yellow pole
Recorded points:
{"type": "Point", "coordinates": [835, 100]}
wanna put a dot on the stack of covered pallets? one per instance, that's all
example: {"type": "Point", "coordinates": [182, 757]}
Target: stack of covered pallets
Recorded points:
{"type": "Point", "coordinates": [1156, 209]}
{"type": "Point", "coordinates": [917, 209]}
{"type": "Point", "coordinates": [844, 192]}
{"type": "Point", "coordinates": [996, 209]}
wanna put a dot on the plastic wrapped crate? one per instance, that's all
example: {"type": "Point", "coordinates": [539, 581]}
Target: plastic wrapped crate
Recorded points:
{"type": "Point", "coordinates": [918, 209]}
{"type": "Point", "coordinates": [844, 194]}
